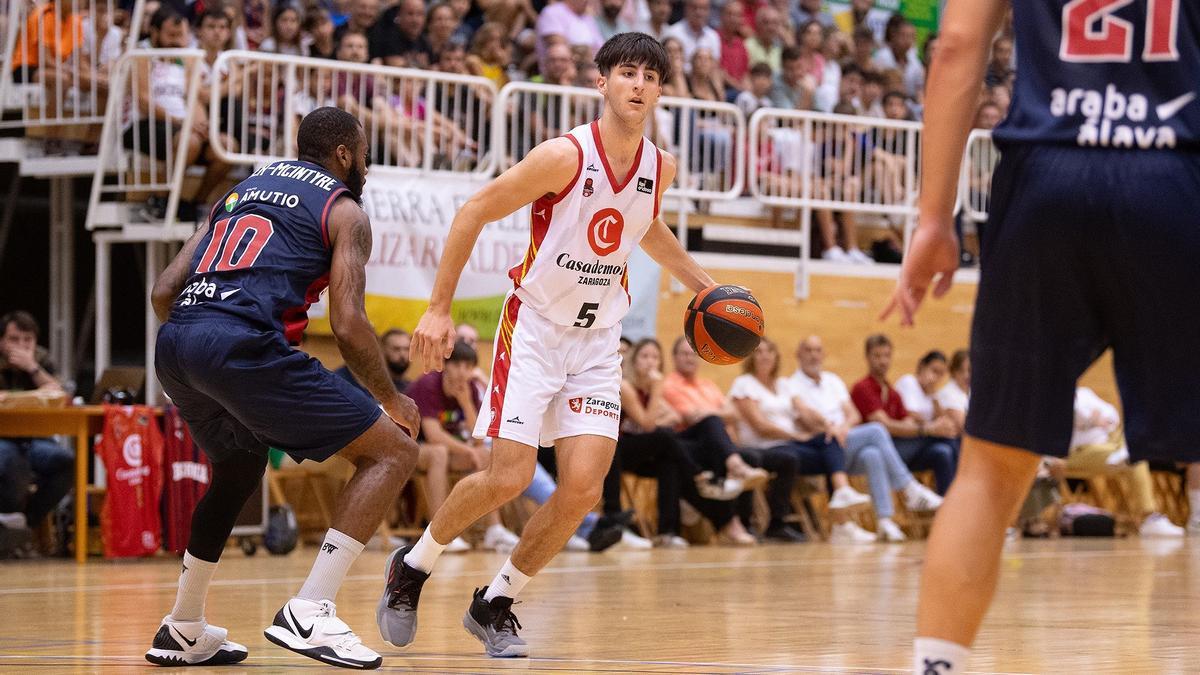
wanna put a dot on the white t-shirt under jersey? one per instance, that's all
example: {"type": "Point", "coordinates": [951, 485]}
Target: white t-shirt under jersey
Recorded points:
{"type": "Point", "coordinates": [775, 406]}
{"type": "Point", "coordinates": [575, 272]}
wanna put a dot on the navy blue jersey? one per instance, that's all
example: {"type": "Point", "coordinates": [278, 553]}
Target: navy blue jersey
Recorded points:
{"type": "Point", "coordinates": [266, 256]}
{"type": "Point", "coordinates": [1106, 73]}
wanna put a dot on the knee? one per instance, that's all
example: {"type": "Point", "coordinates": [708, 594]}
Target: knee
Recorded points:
{"type": "Point", "coordinates": [510, 481]}
{"type": "Point", "coordinates": [876, 433]}
{"type": "Point", "coordinates": [579, 497]}
{"type": "Point", "coordinates": [870, 457]}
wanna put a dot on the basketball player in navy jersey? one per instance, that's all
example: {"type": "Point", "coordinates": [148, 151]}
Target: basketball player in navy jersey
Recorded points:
{"type": "Point", "coordinates": [234, 305]}
{"type": "Point", "coordinates": [1092, 242]}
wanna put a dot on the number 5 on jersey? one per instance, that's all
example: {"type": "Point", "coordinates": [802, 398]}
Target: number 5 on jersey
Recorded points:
{"type": "Point", "coordinates": [227, 242]}
{"type": "Point", "coordinates": [1091, 34]}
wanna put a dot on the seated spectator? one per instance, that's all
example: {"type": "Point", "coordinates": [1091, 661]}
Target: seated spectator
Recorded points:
{"type": "Point", "coordinates": [558, 67]}
{"type": "Point", "coordinates": [811, 10]}
{"type": "Point", "coordinates": [659, 19]}
{"type": "Point", "coordinates": [850, 89]}
{"type": "Point", "coordinates": [693, 32]}
{"type": "Point", "coordinates": [285, 37]}
{"type": "Point", "coordinates": [596, 532]}
{"type": "Point", "coordinates": [811, 44]}
{"type": "Point", "coordinates": [954, 397]}
{"type": "Point", "coordinates": [900, 53]}
{"type": "Point", "coordinates": [767, 419]}
{"type": "Point", "coordinates": [1098, 444]}
{"type": "Point", "coordinates": [794, 87]}
{"type": "Point", "coordinates": [823, 406]}
{"type": "Point", "coordinates": [162, 107]}
{"type": "Point", "coordinates": [704, 77]}
{"type": "Point", "coordinates": [609, 20]}
{"type": "Point", "coordinates": [921, 445]}
{"type": "Point", "coordinates": [395, 345]}
{"type": "Point", "coordinates": [871, 99]}
{"type": "Point", "coordinates": [399, 36]}
{"type": "Point", "coordinates": [1001, 96]}
{"type": "Point", "coordinates": [988, 117]}
{"type": "Point", "coordinates": [318, 34]}
{"type": "Point", "coordinates": [705, 412]}
{"type": "Point", "coordinates": [757, 96]}
{"type": "Point", "coordinates": [53, 29]}
{"type": "Point", "coordinates": [449, 406]}
{"type": "Point", "coordinates": [862, 14]}
{"type": "Point", "coordinates": [766, 45]}
{"type": "Point", "coordinates": [571, 23]}
{"type": "Point", "coordinates": [647, 446]}
{"type": "Point", "coordinates": [676, 84]}
{"type": "Point", "coordinates": [364, 18]}
{"type": "Point", "coordinates": [49, 467]}
{"type": "Point", "coordinates": [490, 54]}
{"type": "Point", "coordinates": [836, 48]}
{"type": "Point", "coordinates": [1000, 66]}
{"type": "Point", "coordinates": [919, 390]}
{"type": "Point", "coordinates": [443, 23]}
{"type": "Point", "coordinates": [863, 49]}
{"type": "Point", "coordinates": [735, 60]}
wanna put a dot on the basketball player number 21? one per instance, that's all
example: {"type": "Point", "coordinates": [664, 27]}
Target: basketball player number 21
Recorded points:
{"type": "Point", "coordinates": [226, 241]}
{"type": "Point", "coordinates": [1091, 34]}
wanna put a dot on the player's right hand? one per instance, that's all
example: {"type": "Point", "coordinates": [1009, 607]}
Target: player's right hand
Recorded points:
{"type": "Point", "coordinates": [933, 254]}
{"type": "Point", "coordinates": [433, 340]}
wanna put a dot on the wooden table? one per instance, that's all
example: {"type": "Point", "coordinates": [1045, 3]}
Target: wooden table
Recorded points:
{"type": "Point", "coordinates": [82, 422]}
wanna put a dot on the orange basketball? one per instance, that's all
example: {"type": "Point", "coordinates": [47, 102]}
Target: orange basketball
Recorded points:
{"type": "Point", "coordinates": [723, 324]}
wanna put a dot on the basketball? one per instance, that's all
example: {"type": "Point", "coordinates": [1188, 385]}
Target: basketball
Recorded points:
{"type": "Point", "coordinates": [723, 324]}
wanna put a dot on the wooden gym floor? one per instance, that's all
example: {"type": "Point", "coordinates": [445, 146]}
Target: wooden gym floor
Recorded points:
{"type": "Point", "coordinates": [1065, 606]}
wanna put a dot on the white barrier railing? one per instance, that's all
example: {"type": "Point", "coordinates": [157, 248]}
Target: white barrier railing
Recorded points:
{"type": "Point", "coordinates": [144, 148]}
{"type": "Point", "coordinates": [706, 138]}
{"type": "Point", "coordinates": [975, 179]}
{"type": "Point", "coordinates": [414, 119]}
{"type": "Point", "coordinates": [68, 82]}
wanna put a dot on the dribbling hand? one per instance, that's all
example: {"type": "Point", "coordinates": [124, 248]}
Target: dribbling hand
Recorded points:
{"type": "Point", "coordinates": [932, 256]}
{"type": "Point", "coordinates": [433, 340]}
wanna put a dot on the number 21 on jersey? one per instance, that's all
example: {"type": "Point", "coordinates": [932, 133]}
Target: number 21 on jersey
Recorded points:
{"type": "Point", "coordinates": [250, 233]}
{"type": "Point", "coordinates": [1091, 34]}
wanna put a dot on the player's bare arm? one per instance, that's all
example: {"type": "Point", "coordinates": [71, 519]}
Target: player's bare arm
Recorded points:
{"type": "Point", "coordinates": [547, 169]}
{"type": "Point", "coordinates": [170, 283]}
{"type": "Point", "coordinates": [961, 62]}
{"type": "Point", "coordinates": [661, 244]}
{"type": "Point", "coordinates": [350, 235]}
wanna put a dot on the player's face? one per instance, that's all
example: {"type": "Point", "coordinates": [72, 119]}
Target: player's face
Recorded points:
{"type": "Point", "coordinates": [930, 375]}
{"type": "Point", "coordinates": [359, 164]}
{"type": "Point", "coordinates": [685, 359]}
{"type": "Point", "coordinates": [631, 91]}
{"type": "Point", "coordinates": [879, 360]}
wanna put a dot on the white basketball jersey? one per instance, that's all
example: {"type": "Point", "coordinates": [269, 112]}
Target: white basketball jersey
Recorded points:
{"type": "Point", "coordinates": [575, 272]}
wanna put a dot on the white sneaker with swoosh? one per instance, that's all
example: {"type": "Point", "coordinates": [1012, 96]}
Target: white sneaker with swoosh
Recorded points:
{"type": "Point", "coordinates": [313, 630]}
{"type": "Point", "coordinates": [193, 643]}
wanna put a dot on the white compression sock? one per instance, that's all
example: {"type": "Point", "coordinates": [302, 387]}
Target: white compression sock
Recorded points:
{"type": "Point", "coordinates": [932, 656]}
{"type": "Point", "coordinates": [338, 552]}
{"type": "Point", "coordinates": [508, 582]}
{"type": "Point", "coordinates": [424, 553]}
{"type": "Point", "coordinates": [193, 588]}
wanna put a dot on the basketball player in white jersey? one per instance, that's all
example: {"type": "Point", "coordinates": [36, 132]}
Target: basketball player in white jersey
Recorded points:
{"type": "Point", "coordinates": [556, 374]}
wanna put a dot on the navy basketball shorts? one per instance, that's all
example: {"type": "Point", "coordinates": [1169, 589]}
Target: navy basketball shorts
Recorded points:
{"type": "Point", "coordinates": [241, 389]}
{"type": "Point", "coordinates": [1084, 250]}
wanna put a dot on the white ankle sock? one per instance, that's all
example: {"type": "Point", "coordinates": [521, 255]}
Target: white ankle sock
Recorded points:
{"type": "Point", "coordinates": [193, 588]}
{"type": "Point", "coordinates": [932, 656]}
{"type": "Point", "coordinates": [508, 582]}
{"type": "Point", "coordinates": [338, 552]}
{"type": "Point", "coordinates": [424, 553]}
{"type": "Point", "coordinates": [1194, 502]}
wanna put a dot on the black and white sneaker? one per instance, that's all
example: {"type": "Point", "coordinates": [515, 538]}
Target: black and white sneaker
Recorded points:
{"type": "Point", "coordinates": [313, 630]}
{"type": "Point", "coordinates": [193, 643]}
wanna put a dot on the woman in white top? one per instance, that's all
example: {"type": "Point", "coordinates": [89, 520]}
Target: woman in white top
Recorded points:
{"type": "Point", "coordinates": [954, 397]}
{"type": "Point", "coordinates": [286, 36]}
{"type": "Point", "coordinates": [768, 420]}
{"type": "Point", "coordinates": [919, 391]}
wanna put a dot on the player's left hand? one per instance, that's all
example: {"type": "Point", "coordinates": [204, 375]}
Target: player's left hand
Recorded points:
{"type": "Point", "coordinates": [403, 411]}
{"type": "Point", "coordinates": [932, 257]}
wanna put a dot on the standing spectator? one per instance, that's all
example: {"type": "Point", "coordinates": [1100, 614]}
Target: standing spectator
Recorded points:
{"type": "Point", "coordinates": [449, 406]}
{"type": "Point", "coordinates": [610, 22]}
{"type": "Point", "coordinates": [921, 446]}
{"type": "Point", "coordinates": [823, 406]}
{"type": "Point", "coordinates": [1000, 67]}
{"type": "Point", "coordinates": [810, 10]}
{"type": "Point", "coordinates": [398, 38]}
{"type": "Point", "coordinates": [364, 15]}
{"type": "Point", "coordinates": [862, 14]}
{"type": "Point", "coordinates": [25, 366]}
{"type": "Point", "coordinates": [285, 37]}
{"type": "Point", "coordinates": [758, 95]}
{"type": "Point", "coordinates": [767, 419]}
{"type": "Point", "coordinates": [693, 32]}
{"type": "Point", "coordinates": [569, 22]}
{"type": "Point", "coordinates": [443, 23]}
{"type": "Point", "coordinates": [900, 53]}
{"type": "Point", "coordinates": [659, 20]}
{"type": "Point", "coordinates": [705, 412]}
{"type": "Point", "coordinates": [318, 33]}
{"type": "Point", "coordinates": [395, 344]}
{"type": "Point", "coordinates": [766, 45]}
{"type": "Point", "coordinates": [735, 60]}
{"type": "Point", "coordinates": [954, 397]}
{"type": "Point", "coordinates": [793, 88]}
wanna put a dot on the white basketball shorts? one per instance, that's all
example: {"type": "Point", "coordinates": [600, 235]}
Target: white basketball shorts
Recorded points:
{"type": "Point", "coordinates": [550, 381]}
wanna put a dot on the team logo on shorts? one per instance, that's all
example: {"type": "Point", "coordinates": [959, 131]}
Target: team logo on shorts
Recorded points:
{"type": "Point", "coordinates": [587, 188]}
{"type": "Point", "coordinates": [231, 201]}
{"type": "Point", "coordinates": [604, 232]}
{"type": "Point", "coordinates": [576, 405]}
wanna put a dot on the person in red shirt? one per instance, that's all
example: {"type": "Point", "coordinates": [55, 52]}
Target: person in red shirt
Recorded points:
{"type": "Point", "coordinates": [735, 60]}
{"type": "Point", "coordinates": [921, 446]}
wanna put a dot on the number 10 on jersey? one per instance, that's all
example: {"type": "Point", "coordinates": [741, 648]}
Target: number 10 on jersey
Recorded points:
{"type": "Point", "coordinates": [1091, 34]}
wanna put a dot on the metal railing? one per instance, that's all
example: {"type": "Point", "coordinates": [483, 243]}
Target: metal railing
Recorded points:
{"type": "Point", "coordinates": [975, 178]}
{"type": "Point", "coordinates": [148, 134]}
{"type": "Point", "coordinates": [417, 120]}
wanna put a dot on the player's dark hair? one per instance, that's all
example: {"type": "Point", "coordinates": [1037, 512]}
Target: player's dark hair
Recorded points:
{"type": "Point", "coordinates": [930, 358]}
{"type": "Point", "coordinates": [638, 49]}
{"type": "Point", "coordinates": [165, 15]}
{"type": "Point", "coordinates": [761, 69]}
{"type": "Point", "coordinates": [213, 13]}
{"type": "Point", "coordinates": [959, 360]}
{"type": "Point", "coordinates": [23, 320]}
{"type": "Point", "coordinates": [463, 353]}
{"type": "Point", "coordinates": [323, 130]}
{"type": "Point", "coordinates": [877, 340]}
